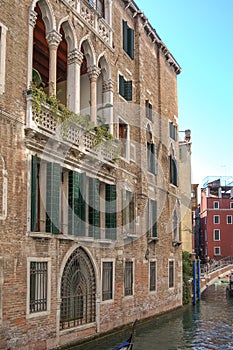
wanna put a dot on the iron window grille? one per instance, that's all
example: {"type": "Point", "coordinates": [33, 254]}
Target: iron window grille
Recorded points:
{"type": "Point", "coordinates": [128, 278]}
{"type": "Point", "coordinates": [38, 286]}
{"type": "Point", "coordinates": [107, 281]}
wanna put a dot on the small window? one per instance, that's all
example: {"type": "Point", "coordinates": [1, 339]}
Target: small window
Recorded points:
{"type": "Point", "coordinates": [149, 110]}
{"type": "Point", "coordinates": [216, 235]}
{"type": "Point", "coordinates": [173, 131]}
{"type": "Point", "coordinates": [128, 278]}
{"type": "Point", "coordinates": [107, 280]}
{"type": "Point", "coordinates": [217, 251]}
{"type": "Point", "coordinates": [231, 205]}
{"type": "Point", "coordinates": [3, 32]}
{"type": "Point", "coordinates": [173, 171]}
{"type": "Point", "coordinates": [128, 40]}
{"type": "Point", "coordinates": [171, 274]}
{"type": "Point", "coordinates": [229, 219]}
{"type": "Point", "coordinates": [216, 219]}
{"type": "Point", "coordinates": [38, 288]}
{"type": "Point", "coordinates": [124, 138]}
{"type": "Point", "coordinates": [152, 276]}
{"type": "Point", "coordinates": [128, 211]}
{"type": "Point", "coordinates": [125, 88]}
{"type": "Point", "coordinates": [216, 205]}
{"type": "Point", "coordinates": [152, 218]}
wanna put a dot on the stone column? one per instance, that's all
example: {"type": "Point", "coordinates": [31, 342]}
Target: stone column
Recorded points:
{"type": "Point", "coordinates": [75, 58]}
{"type": "Point", "coordinates": [93, 73]}
{"type": "Point", "coordinates": [108, 99]}
{"type": "Point", "coordinates": [32, 23]}
{"type": "Point", "coordinates": [53, 38]}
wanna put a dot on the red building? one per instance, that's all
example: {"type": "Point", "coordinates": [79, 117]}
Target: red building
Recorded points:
{"type": "Point", "coordinates": [216, 212]}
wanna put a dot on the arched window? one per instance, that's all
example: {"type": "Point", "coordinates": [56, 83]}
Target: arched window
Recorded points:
{"type": "Point", "coordinates": [173, 167]}
{"type": "Point", "coordinates": [78, 291]}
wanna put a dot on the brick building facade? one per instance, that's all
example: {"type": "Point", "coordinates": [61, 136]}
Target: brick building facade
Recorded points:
{"type": "Point", "coordinates": [216, 212]}
{"type": "Point", "coordinates": [89, 230]}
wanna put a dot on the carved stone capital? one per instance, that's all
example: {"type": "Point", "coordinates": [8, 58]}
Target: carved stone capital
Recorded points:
{"type": "Point", "coordinates": [108, 85]}
{"type": "Point", "coordinates": [93, 72]}
{"type": "Point", "coordinates": [53, 38]}
{"type": "Point", "coordinates": [32, 18]}
{"type": "Point", "coordinates": [75, 56]}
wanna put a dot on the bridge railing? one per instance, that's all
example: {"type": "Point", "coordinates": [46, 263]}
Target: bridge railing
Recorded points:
{"type": "Point", "coordinates": [216, 265]}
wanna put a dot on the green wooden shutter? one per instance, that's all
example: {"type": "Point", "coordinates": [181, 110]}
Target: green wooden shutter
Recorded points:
{"type": "Point", "coordinates": [82, 204]}
{"type": "Point", "coordinates": [130, 35]}
{"type": "Point", "coordinates": [34, 193]}
{"type": "Point", "coordinates": [121, 85]}
{"type": "Point", "coordinates": [125, 36]}
{"type": "Point", "coordinates": [53, 198]}
{"type": "Point", "coordinates": [110, 211]}
{"type": "Point", "coordinates": [154, 216]}
{"type": "Point", "coordinates": [73, 201]}
{"type": "Point", "coordinates": [128, 90]}
{"type": "Point", "coordinates": [94, 208]}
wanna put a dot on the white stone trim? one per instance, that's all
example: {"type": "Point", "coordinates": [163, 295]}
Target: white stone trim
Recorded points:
{"type": "Point", "coordinates": [43, 313]}
{"type": "Point", "coordinates": [3, 32]}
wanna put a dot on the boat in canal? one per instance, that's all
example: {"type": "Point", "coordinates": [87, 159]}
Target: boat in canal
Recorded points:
{"type": "Point", "coordinates": [128, 344]}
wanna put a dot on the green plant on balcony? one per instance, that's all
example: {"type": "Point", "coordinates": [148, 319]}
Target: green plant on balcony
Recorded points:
{"type": "Point", "coordinates": [65, 117]}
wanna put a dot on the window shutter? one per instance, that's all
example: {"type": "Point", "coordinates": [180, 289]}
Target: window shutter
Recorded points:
{"type": "Point", "coordinates": [130, 35]}
{"type": "Point", "coordinates": [94, 208]}
{"type": "Point", "coordinates": [53, 198]}
{"type": "Point", "coordinates": [73, 200]}
{"type": "Point", "coordinates": [34, 194]}
{"type": "Point", "coordinates": [121, 85]}
{"type": "Point", "coordinates": [110, 211]}
{"type": "Point", "coordinates": [125, 36]}
{"type": "Point", "coordinates": [82, 203]}
{"type": "Point", "coordinates": [128, 90]}
{"type": "Point", "coordinates": [154, 216]}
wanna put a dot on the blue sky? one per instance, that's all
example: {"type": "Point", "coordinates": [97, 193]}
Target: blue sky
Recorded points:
{"type": "Point", "coordinates": [199, 34]}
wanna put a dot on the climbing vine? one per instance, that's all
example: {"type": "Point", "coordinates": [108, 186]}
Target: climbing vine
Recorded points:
{"type": "Point", "coordinates": [187, 277]}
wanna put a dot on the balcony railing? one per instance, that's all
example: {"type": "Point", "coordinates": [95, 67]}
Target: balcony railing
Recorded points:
{"type": "Point", "coordinates": [73, 134]}
{"type": "Point", "coordinates": [93, 15]}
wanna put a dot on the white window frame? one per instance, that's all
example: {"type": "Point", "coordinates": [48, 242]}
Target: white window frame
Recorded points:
{"type": "Point", "coordinates": [3, 34]}
{"type": "Point", "coordinates": [113, 280]}
{"type": "Point", "coordinates": [229, 216]}
{"type": "Point", "coordinates": [215, 248]}
{"type": "Point", "coordinates": [46, 312]}
{"type": "Point", "coordinates": [219, 235]}
{"type": "Point", "coordinates": [156, 269]}
{"type": "Point", "coordinates": [127, 145]}
{"type": "Point", "coordinates": [218, 219]}
{"type": "Point", "coordinates": [231, 205]}
{"type": "Point", "coordinates": [217, 207]}
{"type": "Point", "coordinates": [171, 260]}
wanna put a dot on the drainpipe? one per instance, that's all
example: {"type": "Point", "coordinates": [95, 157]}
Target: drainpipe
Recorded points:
{"type": "Point", "coordinates": [3, 212]}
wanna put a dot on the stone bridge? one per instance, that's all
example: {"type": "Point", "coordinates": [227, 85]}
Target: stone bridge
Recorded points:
{"type": "Point", "coordinates": [211, 273]}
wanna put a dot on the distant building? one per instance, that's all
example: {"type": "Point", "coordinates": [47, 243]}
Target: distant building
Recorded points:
{"type": "Point", "coordinates": [216, 213]}
{"type": "Point", "coordinates": [185, 192]}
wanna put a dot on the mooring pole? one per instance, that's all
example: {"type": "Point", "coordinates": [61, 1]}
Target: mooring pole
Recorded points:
{"type": "Point", "coordinates": [198, 279]}
{"type": "Point", "coordinates": [194, 282]}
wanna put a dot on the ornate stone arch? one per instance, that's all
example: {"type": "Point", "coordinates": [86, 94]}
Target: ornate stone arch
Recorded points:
{"type": "Point", "coordinates": [78, 290]}
{"type": "Point", "coordinates": [69, 31]}
{"type": "Point", "coordinates": [89, 51]}
{"type": "Point", "coordinates": [47, 14]}
{"type": "Point", "coordinates": [104, 65]}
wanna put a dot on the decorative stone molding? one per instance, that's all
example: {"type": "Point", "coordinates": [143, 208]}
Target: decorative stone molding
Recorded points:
{"type": "Point", "coordinates": [53, 38]}
{"type": "Point", "coordinates": [75, 56]}
{"type": "Point", "coordinates": [93, 72]}
{"type": "Point", "coordinates": [108, 85]}
{"type": "Point", "coordinates": [3, 210]}
{"type": "Point", "coordinates": [32, 18]}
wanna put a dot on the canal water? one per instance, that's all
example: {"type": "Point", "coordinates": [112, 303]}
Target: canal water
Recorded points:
{"type": "Point", "coordinates": [207, 325]}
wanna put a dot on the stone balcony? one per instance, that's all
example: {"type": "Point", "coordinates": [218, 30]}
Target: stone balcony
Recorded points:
{"type": "Point", "coordinates": [91, 15]}
{"type": "Point", "coordinates": [72, 135]}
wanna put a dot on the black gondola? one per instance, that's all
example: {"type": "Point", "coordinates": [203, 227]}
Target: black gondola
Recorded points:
{"type": "Point", "coordinates": [128, 345]}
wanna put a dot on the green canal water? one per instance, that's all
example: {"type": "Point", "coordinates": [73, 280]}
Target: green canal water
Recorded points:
{"type": "Point", "coordinates": [207, 325]}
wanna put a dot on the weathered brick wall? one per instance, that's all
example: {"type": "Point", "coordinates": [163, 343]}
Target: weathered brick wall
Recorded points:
{"type": "Point", "coordinates": [154, 79]}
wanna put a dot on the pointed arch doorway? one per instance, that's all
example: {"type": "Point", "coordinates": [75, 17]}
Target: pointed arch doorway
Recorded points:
{"type": "Point", "coordinates": [78, 291]}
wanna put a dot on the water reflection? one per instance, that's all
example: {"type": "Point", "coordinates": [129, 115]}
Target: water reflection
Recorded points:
{"type": "Point", "coordinates": [207, 325]}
